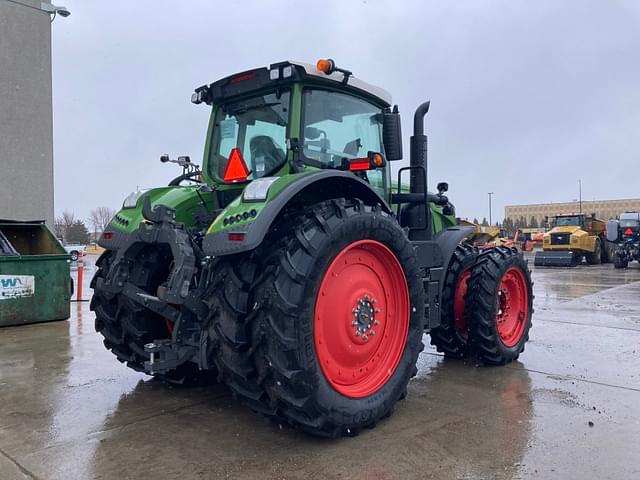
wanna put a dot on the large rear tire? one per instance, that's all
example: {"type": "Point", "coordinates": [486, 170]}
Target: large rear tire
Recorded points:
{"type": "Point", "coordinates": [452, 336]}
{"type": "Point", "coordinates": [336, 322]}
{"type": "Point", "coordinates": [499, 305]}
{"type": "Point", "coordinates": [595, 258]}
{"type": "Point", "coordinates": [127, 326]}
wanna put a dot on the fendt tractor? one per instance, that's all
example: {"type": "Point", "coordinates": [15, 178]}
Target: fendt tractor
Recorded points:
{"type": "Point", "coordinates": [624, 233]}
{"type": "Point", "coordinates": [289, 268]}
{"type": "Point", "coordinates": [573, 237]}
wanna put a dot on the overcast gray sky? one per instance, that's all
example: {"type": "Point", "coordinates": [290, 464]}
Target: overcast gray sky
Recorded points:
{"type": "Point", "coordinates": [526, 97]}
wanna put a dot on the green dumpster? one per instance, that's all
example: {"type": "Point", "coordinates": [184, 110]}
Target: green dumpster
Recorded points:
{"type": "Point", "coordinates": [34, 274]}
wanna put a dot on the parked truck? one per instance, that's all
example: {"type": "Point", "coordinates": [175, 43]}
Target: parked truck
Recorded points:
{"type": "Point", "coordinates": [571, 238]}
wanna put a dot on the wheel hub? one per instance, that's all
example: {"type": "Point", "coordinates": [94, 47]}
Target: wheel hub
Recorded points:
{"type": "Point", "coordinates": [361, 318]}
{"type": "Point", "coordinates": [364, 317]}
{"type": "Point", "coordinates": [511, 307]}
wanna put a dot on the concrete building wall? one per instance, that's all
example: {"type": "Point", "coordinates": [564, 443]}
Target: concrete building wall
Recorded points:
{"type": "Point", "coordinates": [604, 209]}
{"type": "Point", "coordinates": [26, 118]}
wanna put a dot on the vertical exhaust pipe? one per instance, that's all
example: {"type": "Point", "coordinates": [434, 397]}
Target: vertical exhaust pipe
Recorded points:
{"type": "Point", "coordinates": [418, 180]}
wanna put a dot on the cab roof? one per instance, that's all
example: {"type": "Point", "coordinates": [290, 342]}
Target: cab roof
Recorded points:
{"type": "Point", "coordinates": [281, 74]}
{"type": "Point", "coordinates": [338, 77]}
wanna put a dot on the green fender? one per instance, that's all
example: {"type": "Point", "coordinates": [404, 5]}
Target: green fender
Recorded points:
{"type": "Point", "coordinates": [242, 226]}
{"type": "Point", "coordinates": [191, 210]}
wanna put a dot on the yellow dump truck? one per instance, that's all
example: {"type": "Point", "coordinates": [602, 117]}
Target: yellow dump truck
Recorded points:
{"type": "Point", "coordinates": [572, 237]}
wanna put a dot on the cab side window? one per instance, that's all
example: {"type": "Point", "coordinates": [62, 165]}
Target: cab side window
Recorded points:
{"type": "Point", "coordinates": [338, 126]}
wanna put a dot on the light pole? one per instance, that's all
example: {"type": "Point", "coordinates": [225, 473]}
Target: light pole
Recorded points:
{"type": "Point", "coordinates": [580, 193]}
{"type": "Point", "coordinates": [490, 193]}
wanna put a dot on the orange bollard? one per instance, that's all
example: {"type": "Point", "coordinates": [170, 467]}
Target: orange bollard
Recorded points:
{"type": "Point", "coordinates": [79, 282]}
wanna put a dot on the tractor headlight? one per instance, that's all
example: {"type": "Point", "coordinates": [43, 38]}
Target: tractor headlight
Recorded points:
{"type": "Point", "coordinates": [258, 189]}
{"type": "Point", "coordinates": [132, 199]}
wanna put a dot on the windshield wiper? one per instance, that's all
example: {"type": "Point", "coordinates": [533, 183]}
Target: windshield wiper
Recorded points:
{"type": "Point", "coordinates": [246, 108]}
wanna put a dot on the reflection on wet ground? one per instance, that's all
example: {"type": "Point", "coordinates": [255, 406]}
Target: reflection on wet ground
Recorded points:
{"type": "Point", "coordinates": [570, 408]}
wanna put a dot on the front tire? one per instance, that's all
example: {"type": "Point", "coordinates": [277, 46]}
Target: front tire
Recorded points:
{"type": "Point", "coordinates": [499, 305]}
{"type": "Point", "coordinates": [620, 261]}
{"type": "Point", "coordinates": [337, 322]}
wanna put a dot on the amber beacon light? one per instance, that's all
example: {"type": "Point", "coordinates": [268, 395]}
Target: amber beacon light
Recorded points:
{"type": "Point", "coordinates": [326, 65]}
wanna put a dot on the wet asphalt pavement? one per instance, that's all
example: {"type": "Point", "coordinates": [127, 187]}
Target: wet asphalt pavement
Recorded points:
{"type": "Point", "coordinates": [569, 409]}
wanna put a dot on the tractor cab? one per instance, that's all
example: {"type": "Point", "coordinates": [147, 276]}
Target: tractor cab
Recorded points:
{"type": "Point", "coordinates": [292, 117]}
{"type": "Point", "coordinates": [630, 225]}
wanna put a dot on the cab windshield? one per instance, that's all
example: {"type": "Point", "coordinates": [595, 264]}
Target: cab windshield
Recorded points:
{"type": "Point", "coordinates": [630, 220]}
{"type": "Point", "coordinates": [569, 221]}
{"type": "Point", "coordinates": [257, 127]}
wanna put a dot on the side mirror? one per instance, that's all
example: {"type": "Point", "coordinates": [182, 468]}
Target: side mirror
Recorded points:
{"type": "Point", "coordinates": [442, 187]}
{"type": "Point", "coordinates": [392, 135]}
{"type": "Point", "coordinates": [311, 133]}
{"type": "Point", "coordinates": [164, 158]}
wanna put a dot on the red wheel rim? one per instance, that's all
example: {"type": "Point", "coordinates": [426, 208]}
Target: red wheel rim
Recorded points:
{"type": "Point", "coordinates": [459, 292]}
{"type": "Point", "coordinates": [512, 305]}
{"type": "Point", "coordinates": [361, 318]}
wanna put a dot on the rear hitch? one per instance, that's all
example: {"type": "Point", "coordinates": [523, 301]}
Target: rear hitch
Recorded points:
{"type": "Point", "coordinates": [165, 355]}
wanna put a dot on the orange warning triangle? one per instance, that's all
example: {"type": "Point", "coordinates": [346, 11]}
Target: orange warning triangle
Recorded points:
{"type": "Point", "coordinates": [236, 170]}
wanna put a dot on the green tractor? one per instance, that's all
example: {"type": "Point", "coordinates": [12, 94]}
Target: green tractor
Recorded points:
{"type": "Point", "coordinates": [291, 269]}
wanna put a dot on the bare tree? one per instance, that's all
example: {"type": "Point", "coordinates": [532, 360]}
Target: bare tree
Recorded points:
{"type": "Point", "coordinates": [63, 223]}
{"type": "Point", "coordinates": [99, 218]}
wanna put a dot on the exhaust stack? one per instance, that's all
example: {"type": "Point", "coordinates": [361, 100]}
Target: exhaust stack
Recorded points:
{"type": "Point", "coordinates": [418, 179]}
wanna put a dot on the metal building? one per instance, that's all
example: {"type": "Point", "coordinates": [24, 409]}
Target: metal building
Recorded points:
{"type": "Point", "coordinates": [26, 119]}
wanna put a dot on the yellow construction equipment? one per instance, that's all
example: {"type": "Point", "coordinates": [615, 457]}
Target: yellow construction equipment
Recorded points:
{"type": "Point", "coordinates": [487, 236]}
{"type": "Point", "coordinates": [572, 237]}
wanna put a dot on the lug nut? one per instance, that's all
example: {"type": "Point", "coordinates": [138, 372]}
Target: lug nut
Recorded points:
{"type": "Point", "coordinates": [365, 338]}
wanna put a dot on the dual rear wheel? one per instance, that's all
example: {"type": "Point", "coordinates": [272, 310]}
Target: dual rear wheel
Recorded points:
{"type": "Point", "coordinates": [487, 303]}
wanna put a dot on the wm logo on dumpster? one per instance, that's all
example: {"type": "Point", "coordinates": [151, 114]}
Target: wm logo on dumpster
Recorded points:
{"type": "Point", "coordinates": [16, 286]}
{"type": "Point", "coordinates": [10, 282]}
